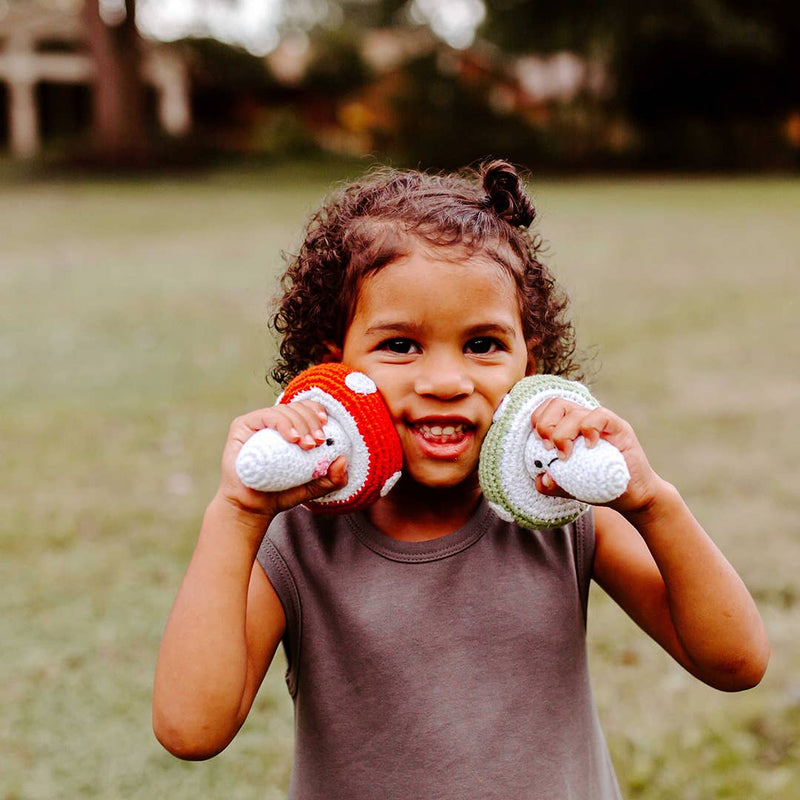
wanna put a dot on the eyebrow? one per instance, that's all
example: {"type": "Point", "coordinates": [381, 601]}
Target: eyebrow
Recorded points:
{"type": "Point", "coordinates": [491, 328]}
{"type": "Point", "coordinates": [481, 329]}
{"type": "Point", "coordinates": [391, 327]}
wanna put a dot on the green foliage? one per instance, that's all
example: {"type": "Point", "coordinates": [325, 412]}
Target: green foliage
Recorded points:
{"type": "Point", "coordinates": [337, 67]}
{"type": "Point", "coordinates": [444, 123]}
{"type": "Point", "coordinates": [538, 26]}
{"type": "Point", "coordinates": [283, 135]}
{"type": "Point", "coordinates": [229, 87]}
{"type": "Point", "coordinates": [216, 64]}
{"type": "Point", "coordinates": [705, 83]}
{"type": "Point", "coordinates": [133, 332]}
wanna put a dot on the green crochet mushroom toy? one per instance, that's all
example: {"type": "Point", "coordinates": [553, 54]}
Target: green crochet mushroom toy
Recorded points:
{"type": "Point", "coordinates": [512, 456]}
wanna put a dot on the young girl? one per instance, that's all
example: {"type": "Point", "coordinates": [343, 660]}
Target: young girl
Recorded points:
{"type": "Point", "coordinates": [434, 650]}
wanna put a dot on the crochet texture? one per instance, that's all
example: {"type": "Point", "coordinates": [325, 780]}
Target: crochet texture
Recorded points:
{"type": "Point", "coordinates": [359, 427]}
{"type": "Point", "coordinates": [512, 456]}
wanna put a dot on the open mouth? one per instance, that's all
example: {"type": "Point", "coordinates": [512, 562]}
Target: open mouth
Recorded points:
{"type": "Point", "coordinates": [445, 433]}
{"type": "Point", "coordinates": [445, 438]}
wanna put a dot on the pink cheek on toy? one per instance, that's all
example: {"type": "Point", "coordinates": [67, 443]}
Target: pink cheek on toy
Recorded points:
{"type": "Point", "coordinates": [321, 468]}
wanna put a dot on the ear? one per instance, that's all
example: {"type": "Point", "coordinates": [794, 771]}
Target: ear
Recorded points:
{"type": "Point", "coordinates": [332, 355]}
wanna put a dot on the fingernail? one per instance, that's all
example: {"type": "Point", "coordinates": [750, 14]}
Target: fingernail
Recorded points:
{"type": "Point", "coordinates": [308, 439]}
{"type": "Point", "coordinates": [320, 436]}
{"type": "Point", "coordinates": [294, 434]}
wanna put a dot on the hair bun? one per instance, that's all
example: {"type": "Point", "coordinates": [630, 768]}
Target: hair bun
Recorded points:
{"type": "Point", "coordinates": [505, 195]}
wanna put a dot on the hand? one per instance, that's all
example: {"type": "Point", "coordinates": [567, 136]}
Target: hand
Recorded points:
{"type": "Point", "coordinates": [559, 422]}
{"type": "Point", "coordinates": [300, 423]}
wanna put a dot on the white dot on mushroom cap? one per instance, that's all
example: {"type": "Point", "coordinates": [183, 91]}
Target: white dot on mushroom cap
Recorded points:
{"type": "Point", "coordinates": [360, 383]}
{"type": "Point", "coordinates": [390, 482]}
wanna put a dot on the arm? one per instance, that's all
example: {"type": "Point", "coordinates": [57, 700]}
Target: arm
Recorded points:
{"type": "Point", "coordinates": [227, 620]}
{"type": "Point", "coordinates": [657, 562]}
{"type": "Point", "coordinates": [663, 569]}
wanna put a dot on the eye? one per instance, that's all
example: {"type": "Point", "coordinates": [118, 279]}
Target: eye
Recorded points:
{"type": "Point", "coordinates": [401, 346]}
{"type": "Point", "coordinates": [483, 345]}
{"type": "Point", "coordinates": [329, 442]}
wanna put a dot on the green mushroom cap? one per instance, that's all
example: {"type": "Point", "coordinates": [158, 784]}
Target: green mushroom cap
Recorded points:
{"type": "Point", "coordinates": [505, 481]}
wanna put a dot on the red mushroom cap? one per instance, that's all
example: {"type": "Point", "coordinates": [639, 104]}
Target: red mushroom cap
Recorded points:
{"type": "Point", "coordinates": [352, 399]}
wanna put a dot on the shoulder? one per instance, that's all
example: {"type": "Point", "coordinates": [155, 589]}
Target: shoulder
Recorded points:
{"type": "Point", "coordinates": [299, 543]}
{"type": "Point", "coordinates": [290, 529]}
{"type": "Point", "coordinates": [282, 547]}
{"type": "Point", "coordinates": [290, 523]}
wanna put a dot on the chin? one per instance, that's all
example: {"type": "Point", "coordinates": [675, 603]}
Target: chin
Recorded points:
{"type": "Point", "coordinates": [444, 479]}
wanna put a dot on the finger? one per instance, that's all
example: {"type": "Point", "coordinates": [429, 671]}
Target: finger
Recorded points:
{"type": "Point", "coordinates": [314, 413]}
{"type": "Point", "coordinates": [561, 423]}
{"type": "Point", "coordinates": [600, 423]}
{"type": "Point", "coordinates": [545, 417]}
{"type": "Point", "coordinates": [568, 429]}
{"type": "Point", "coordinates": [336, 478]}
{"type": "Point", "coordinates": [312, 417]}
{"type": "Point", "coordinates": [293, 421]}
{"type": "Point", "coordinates": [337, 472]}
{"type": "Point", "coordinates": [275, 417]}
{"type": "Point", "coordinates": [547, 486]}
{"type": "Point", "coordinates": [594, 425]}
{"type": "Point", "coordinates": [297, 424]}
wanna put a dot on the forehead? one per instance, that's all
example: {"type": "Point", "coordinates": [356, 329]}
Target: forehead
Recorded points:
{"type": "Point", "coordinates": [449, 284]}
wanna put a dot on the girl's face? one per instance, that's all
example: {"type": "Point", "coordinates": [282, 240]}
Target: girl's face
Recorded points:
{"type": "Point", "coordinates": [443, 341]}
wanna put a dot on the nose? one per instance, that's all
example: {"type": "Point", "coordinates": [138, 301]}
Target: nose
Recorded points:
{"type": "Point", "coordinates": [443, 377]}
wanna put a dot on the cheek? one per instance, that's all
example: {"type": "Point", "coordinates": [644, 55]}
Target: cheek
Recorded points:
{"type": "Point", "coordinates": [388, 383]}
{"type": "Point", "coordinates": [393, 399]}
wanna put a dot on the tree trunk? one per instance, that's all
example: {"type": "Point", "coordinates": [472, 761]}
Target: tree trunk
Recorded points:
{"type": "Point", "coordinates": [118, 124]}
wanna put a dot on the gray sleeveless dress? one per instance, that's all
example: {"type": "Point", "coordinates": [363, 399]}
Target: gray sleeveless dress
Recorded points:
{"type": "Point", "coordinates": [446, 670]}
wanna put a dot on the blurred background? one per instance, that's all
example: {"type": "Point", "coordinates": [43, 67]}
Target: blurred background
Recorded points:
{"type": "Point", "coordinates": [158, 159]}
{"type": "Point", "coordinates": [688, 84]}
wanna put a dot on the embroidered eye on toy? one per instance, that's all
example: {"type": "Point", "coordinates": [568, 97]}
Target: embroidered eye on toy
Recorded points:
{"type": "Point", "coordinates": [358, 427]}
{"type": "Point", "coordinates": [512, 456]}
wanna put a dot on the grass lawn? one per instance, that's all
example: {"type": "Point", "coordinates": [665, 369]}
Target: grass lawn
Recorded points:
{"type": "Point", "coordinates": [133, 330]}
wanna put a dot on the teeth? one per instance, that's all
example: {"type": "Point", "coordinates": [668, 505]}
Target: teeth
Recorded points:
{"type": "Point", "coordinates": [438, 431]}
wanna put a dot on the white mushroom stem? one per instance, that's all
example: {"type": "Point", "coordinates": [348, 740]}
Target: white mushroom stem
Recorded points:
{"type": "Point", "coordinates": [268, 463]}
{"type": "Point", "coordinates": [594, 475]}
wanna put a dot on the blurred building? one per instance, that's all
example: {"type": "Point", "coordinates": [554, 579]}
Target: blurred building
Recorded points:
{"type": "Point", "coordinates": [47, 73]}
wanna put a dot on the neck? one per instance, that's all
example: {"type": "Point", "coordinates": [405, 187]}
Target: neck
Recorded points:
{"type": "Point", "coordinates": [412, 512]}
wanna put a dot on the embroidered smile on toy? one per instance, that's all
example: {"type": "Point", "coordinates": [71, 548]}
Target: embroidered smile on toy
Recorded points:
{"type": "Point", "coordinates": [358, 427]}
{"type": "Point", "coordinates": [512, 456]}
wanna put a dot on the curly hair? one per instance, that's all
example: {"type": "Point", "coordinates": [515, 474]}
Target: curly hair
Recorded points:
{"type": "Point", "coordinates": [372, 223]}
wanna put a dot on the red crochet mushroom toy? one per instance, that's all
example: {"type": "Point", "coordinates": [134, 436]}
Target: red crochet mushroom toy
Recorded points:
{"type": "Point", "coordinates": [359, 427]}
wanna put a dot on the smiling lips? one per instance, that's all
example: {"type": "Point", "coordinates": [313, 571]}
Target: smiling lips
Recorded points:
{"type": "Point", "coordinates": [443, 438]}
